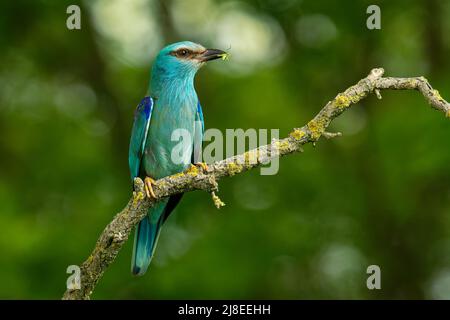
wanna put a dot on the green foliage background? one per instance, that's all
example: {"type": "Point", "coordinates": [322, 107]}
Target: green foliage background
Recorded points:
{"type": "Point", "coordinates": [378, 195]}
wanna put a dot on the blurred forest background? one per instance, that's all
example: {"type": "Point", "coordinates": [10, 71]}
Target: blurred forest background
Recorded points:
{"type": "Point", "coordinates": [378, 195]}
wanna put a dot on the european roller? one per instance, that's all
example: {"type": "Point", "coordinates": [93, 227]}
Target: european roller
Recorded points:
{"type": "Point", "coordinates": [171, 103]}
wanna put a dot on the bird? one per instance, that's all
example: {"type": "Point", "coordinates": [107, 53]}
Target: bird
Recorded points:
{"type": "Point", "coordinates": [170, 103]}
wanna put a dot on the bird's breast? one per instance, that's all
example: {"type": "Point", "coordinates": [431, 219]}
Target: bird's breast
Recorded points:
{"type": "Point", "coordinates": [170, 137]}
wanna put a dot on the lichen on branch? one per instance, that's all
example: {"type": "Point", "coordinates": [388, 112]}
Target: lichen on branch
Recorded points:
{"type": "Point", "coordinates": [119, 229]}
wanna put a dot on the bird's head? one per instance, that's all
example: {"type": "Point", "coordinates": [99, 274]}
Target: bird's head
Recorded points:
{"type": "Point", "coordinates": [183, 59]}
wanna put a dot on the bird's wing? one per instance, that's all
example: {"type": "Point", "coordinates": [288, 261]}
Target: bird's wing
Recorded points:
{"type": "Point", "coordinates": [139, 132]}
{"type": "Point", "coordinates": [199, 129]}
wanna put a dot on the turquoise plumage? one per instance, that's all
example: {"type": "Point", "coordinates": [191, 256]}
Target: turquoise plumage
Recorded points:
{"type": "Point", "coordinates": [171, 104]}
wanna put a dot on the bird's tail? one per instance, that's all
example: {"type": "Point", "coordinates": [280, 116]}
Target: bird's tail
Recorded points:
{"type": "Point", "coordinates": [146, 237]}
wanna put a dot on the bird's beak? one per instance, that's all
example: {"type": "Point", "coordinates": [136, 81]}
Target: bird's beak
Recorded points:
{"type": "Point", "coordinates": [212, 54]}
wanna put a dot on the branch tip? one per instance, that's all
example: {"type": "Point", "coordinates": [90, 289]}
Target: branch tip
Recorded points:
{"type": "Point", "coordinates": [331, 135]}
{"type": "Point", "coordinates": [376, 73]}
{"type": "Point", "coordinates": [378, 94]}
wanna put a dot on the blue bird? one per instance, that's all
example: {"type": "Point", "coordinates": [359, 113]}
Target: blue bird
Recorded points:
{"type": "Point", "coordinates": [171, 103]}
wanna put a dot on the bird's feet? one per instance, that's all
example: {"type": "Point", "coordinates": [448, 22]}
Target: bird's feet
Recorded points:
{"type": "Point", "coordinates": [203, 165]}
{"type": "Point", "coordinates": [148, 182]}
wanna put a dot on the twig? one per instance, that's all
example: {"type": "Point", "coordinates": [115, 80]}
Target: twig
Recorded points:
{"type": "Point", "coordinates": [118, 230]}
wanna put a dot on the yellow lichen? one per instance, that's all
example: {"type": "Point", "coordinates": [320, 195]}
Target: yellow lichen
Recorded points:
{"type": "Point", "coordinates": [316, 127]}
{"type": "Point", "coordinates": [137, 196]}
{"type": "Point", "coordinates": [282, 145]}
{"type": "Point", "coordinates": [217, 202]}
{"type": "Point", "coordinates": [342, 101]}
{"type": "Point", "coordinates": [192, 171]}
{"type": "Point", "coordinates": [297, 134]}
{"type": "Point", "coordinates": [356, 98]}
{"type": "Point", "coordinates": [250, 157]}
{"type": "Point", "coordinates": [234, 168]}
{"type": "Point", "coordinates": [178, 175]}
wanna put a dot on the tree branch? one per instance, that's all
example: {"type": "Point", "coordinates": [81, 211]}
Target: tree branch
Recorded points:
{"type": "Point", "coordinates": [118, 230]}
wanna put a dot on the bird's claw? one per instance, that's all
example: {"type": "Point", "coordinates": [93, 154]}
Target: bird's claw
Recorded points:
{"type": "Point", "coordinates": [148, 182]}
{"type": "Point", "coordinates": [203, 165]}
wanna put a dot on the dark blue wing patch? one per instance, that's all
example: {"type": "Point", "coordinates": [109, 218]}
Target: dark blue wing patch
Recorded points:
{"type": "Point", "coordinates": [142, 117]}
{"type": "Point", "coordinates": [199, 129]}
{"type": "Point", "coordinates": [200, 116]}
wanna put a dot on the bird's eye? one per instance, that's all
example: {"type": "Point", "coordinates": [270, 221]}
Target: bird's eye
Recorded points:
{"type": "Point", "coordinates": [183, 52]}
